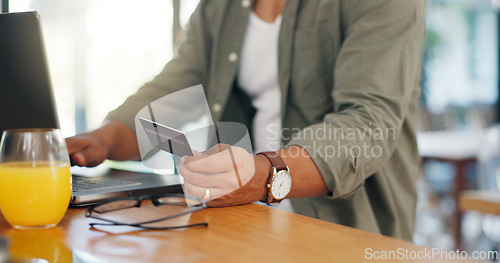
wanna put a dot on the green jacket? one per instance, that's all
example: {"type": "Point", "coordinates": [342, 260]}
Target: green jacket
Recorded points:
{"type": "Point", "coordinates": [349, 72]}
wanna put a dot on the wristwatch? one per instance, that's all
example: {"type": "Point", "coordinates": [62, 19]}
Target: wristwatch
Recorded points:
{"type": "Point", "coordinates": [280, 180]}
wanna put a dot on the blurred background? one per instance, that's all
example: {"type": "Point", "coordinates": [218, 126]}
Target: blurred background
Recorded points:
{"type": "Point", "coordinates": [101, 51]}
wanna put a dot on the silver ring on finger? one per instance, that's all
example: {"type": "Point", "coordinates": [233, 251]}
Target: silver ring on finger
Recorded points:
{"type": "Point", "coordinates": [206, 198]}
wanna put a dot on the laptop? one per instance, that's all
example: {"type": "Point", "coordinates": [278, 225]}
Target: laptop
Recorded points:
{"type": "Point", "coordinates": [27, 101]}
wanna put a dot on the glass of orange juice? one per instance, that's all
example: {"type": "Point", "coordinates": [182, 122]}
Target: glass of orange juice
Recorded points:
{"type": "Point", "coordinates": [35, 181]}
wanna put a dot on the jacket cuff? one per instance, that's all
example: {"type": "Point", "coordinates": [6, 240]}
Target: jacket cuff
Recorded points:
{"type": "Point", "coordinates": [342, 173]}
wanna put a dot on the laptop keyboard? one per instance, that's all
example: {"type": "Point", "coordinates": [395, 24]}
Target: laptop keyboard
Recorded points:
{"type": "Point", "coordinates": [85, 183]}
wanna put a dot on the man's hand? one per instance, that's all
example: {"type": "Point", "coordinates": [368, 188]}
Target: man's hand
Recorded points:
{"type": "Point", "coordinates": [231, 174]}
{"type": "Point", "coordinates": [87, 149]}
{"type": "Point", "coordinates": [113, 140]}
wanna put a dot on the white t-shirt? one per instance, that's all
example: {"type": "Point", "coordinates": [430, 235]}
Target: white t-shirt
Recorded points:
{"type": "Point", "coordinates": [258, 77]}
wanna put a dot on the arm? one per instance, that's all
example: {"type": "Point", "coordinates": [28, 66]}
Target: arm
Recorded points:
{"type": "Point", "coordinates": [307, 180]}
{"type": "Point", "coordinates": [376, 77]}
{"type": "Point", "coordinates": [220, 168]}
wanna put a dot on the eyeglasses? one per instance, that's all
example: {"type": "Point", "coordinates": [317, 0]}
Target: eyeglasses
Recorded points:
{"type": "Point", "coordinates": [178, 204]}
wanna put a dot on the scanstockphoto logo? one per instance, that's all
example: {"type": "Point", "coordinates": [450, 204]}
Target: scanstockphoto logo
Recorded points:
{"type": "Point", "coordinates": [427, 254]}
{"type": "Point", "coordinates": [329, 141]}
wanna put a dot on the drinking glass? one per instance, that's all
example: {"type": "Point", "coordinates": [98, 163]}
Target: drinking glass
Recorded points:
{"type": "Point", "coordinates": [35, 181]}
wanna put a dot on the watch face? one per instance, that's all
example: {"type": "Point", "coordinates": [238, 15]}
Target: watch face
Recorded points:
{"type": "Point", "coordinates": [281, 185]}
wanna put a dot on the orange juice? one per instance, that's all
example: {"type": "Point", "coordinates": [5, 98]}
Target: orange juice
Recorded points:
{"type": "Point", "coordinates": [34, 194]}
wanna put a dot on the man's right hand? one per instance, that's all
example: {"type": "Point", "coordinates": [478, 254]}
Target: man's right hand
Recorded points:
{"type": "Point", "coordinates": [87, 149]}
{"type": "Point", "coordinates": [113, 140]}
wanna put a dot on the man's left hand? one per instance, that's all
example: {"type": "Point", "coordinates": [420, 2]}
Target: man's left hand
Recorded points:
{"type": "Point", "coordinates": [231, 174]}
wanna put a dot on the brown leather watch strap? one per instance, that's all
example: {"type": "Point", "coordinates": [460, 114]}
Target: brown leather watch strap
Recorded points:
{"type": "Point", "coordinates": [279, 165]}
{"type": "Point", "coordinates": [275, 160]}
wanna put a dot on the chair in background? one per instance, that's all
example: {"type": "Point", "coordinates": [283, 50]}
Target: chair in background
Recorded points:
{"type": "Point", "coordinates": [452, 137]}
{"type": "Point", "coordinates": [486, 199]}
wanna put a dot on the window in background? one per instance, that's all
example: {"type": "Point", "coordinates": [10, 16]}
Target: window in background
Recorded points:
{"type": "Point", "coordinates": [187, 8]}
{"type": "Point", "coordinates": [461, 58]}
{"type": "Point", "coordinates": [460, 84]}
{"type": "Point", "coordinates": [102, 51]}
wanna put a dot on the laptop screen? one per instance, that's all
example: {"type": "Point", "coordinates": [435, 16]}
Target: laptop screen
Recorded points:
{"type": "Point", "coordinates": [26, 99]}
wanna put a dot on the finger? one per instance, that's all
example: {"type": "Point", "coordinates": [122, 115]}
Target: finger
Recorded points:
{"type": "Point", "coordinates": [193, 190]}
{"type": "Point", "coordinates": [227, 180]}
{"type": "Point", "coordinates": [200, 192]}
{"type": "Point", "coordinates": [77, 159]}
{"type": "Point", "coordinates": [216, 163]}
{"type": "Point", "coordinates": [198, 179]}
{"type": "Point", "coordinates": [196, 153]}
{"type": "Point", "coordinates": [75, 144]}
{"type": "Point", "coordinates": [213, 150]}
{"type": "Point", "coordinates": [91, 155]}
{"type": "Point", "coordinates": [217, 148]}
{"type": "Point", "coordinates": [76, 147]}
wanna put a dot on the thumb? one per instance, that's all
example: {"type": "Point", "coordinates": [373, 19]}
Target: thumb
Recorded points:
{"type": "Point", "coordinates": [78, 159]}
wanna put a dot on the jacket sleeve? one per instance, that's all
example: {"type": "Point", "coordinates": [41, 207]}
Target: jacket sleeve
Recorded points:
{"type": "Point", "coordinates": [376, 77]}
{"type": "Point", "coordinates": [188, 68]}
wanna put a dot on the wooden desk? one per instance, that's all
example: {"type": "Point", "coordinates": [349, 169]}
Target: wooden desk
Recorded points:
{"type": "Point", "coordinates": [487, 202]}
{"type": "Point", "coordinates": [249, 233]}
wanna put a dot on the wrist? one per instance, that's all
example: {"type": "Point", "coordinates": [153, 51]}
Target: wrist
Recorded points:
{"type": "Point", "coordinates": [263, 170]}
{"type": "Point", "coordinates": [105, 137]}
